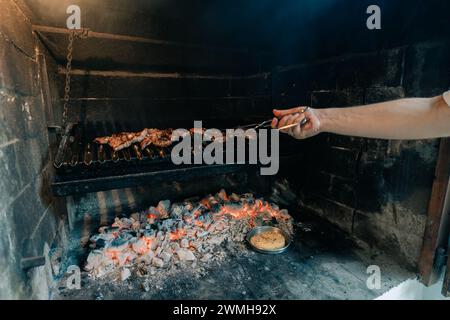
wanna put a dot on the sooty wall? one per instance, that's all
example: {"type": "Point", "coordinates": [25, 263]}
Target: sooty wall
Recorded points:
{"type": "Point", "coordinates": [29, 216]}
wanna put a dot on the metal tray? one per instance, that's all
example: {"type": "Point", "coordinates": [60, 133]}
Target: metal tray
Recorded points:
{"type": "Point", "coordinates": [258, 230]}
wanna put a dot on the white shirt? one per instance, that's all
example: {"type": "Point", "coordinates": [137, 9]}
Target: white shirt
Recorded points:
{"type": "Point", "coordinates": [446, 96]}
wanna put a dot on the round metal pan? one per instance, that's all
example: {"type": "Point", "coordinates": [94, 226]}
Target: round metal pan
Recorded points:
{"type": "Point", "coordinates": [258, 230]}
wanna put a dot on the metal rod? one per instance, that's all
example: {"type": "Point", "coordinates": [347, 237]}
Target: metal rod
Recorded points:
{"type": "Point", "coordinates": [32, 262]}
{"type": "Point", "coordinates": [158, 75]}
{"type": "Point", "coordinates": [120, 37]}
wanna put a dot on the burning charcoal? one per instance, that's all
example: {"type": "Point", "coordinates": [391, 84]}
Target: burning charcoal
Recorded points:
{"type": "Point", "coordinates": [147, 257]}
{"type": "Point", "coordinates": [197, 245]}
{"type": "Point", "coordinates": [135, 216]}
{"type": "Point", "coordinates": [284, 215]}
{"type": "Point", "coordinates": [216, 207]}
{"type": "Point", "coordinates": [94, 260]}
{"type": "Point", "coordinates": [107, 237]}
{"type": "Point", "coordinates": [123, 223]}
{"type": "Point", "coordinates": [154, 239]}
{"type": "Point", "coordinates": [103, 229]}
{"type": "Point", "coordinates": [234, 197]}
{"type": "Point", "coordinates": [177, 212]}
{"type": "Point", "coordinates": [184, 243]}
{"type": "Point", "coordinates": [185, 255]}
{"type": "Point", "coordinates": [220, 226]}
{"type": "Point", "coordinates": [121, 242]}
{"type": "Point", "coordinates": [222, 195]}
{"type": "Point", "coordinates": [163, 208]}
{"type": "Point", "coordinates": [125, 273]}
{"type": "Point", "coordinates": [175, 246]}
{"type": "Point", "coordinates": [211, 202]}
{"type": "Point", "coordinates": [100, 243]}
{"type": "Point", "coordinates": [155, 243]}
{"type": "Point", "coordinates": [188, 206]}
{"type": "Point", "coordinates": [216, 240]}
{"type": "Point", "coordinates": [118, 245]}
{"type": "Point", "coordinates": [166, 256]}
{"type": "Point", "coordinates": [152, 215]}
{"type": "Point", "coordinates": [206, 257]}
{"type": "Point", "coordinates": [168, 249]}
{"type": "Point", "coordinates": [149, 233]}
{"type": "Point", "coordinates": [274, 207]}
{"type": "Point", "coordinates": [157, 262]}
{"type": "Point", "coordinates": [247, 196]}
{"type": "Point", "coordinates": [258, 204]}
{"type": "Point", "coordinates": [125, 258]}
{"type": "Point", "coordinates": [139, 246]}
{"type": "Point", "coordinates": [190, 232]}
{"type": "Point", "coordinates": [180, 225]}
{"type": "Point", "coordinates": [202, 234]}
{"type": "Point", "coordinates": [166, 225]}
{"type": "Point", "coordinates": [136, 225]}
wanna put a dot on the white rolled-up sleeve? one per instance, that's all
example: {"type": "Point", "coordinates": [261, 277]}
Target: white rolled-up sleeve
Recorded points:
{"type": "Point", "coordinates": [446, 96]}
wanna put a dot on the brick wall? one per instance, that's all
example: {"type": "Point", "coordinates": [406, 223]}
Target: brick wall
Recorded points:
{"type": "Point", "coordinates": [376, 190]}
{"type": "Point", "coordinates": [29, 215]}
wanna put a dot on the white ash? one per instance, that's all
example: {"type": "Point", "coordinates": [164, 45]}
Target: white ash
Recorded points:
{"type": "Point", "coordinates": [190, 235]}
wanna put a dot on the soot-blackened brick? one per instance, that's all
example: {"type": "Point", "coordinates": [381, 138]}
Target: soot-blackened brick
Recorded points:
{"type": "Point", "coordinates": [259, 85]}
{"type": "Point", "coordinates": [346, 142]}
{"type": "Point", "coordinates": [333, 98]}
{"type": "Point", "coordinates": [342, 191]}
{"type": "Point", "coordinates": [339, 161]}
{"type": "Point", "coordinates": [370, 230]}
{"type": "Point", "coordinates": [427, 69]}
{"type": "Point", "coordinates": [332, 211]}
{"type": "Point", "coordinates": [372, 69]}
{"type": "Point", "coordinates": [370, 191]}
{"type": "Point", "coordinates": [317, 182]}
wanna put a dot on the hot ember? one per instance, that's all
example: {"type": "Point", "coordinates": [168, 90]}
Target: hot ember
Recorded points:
{"type": "Point", "coordinates": [185, 233]}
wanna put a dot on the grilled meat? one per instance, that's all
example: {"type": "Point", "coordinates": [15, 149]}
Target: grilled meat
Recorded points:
{"type": "Point", "coordinates": [197, 131]}
{"type": "Point", "coordinates": [159, 138]}
{"type": "Point", "coordinates": [122, 140]}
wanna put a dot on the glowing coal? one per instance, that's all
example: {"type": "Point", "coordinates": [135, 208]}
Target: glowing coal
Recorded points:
{"type": "Point", "coordinates": [185, 233]}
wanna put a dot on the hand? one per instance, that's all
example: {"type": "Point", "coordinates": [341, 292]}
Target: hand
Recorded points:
{"type": "Point", "coordinates": [296, 115]}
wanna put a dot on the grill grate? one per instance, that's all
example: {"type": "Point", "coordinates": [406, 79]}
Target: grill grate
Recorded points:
{"type": "Point", "coordinates": [84, 166]}
{"type": "Point", "coordinates": [78, 153]}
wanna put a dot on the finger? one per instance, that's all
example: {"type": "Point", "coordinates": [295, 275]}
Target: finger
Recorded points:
{"type": "Point", "coordinates": [297, 132]}
{"type": "Point", "coordinates": [274, 123]}
{"type": "Point", "coordinates": [295, 120]}
{"type": "Point", "coordinates": [291, 122]}
{"type": "Point", "coordinates": [283, 122]}
{"type": "Point", "coordinates": [308, 126]}
{"type": "Point", "coordinates": [282, 113]}
{"type": "Point", "coordinates": [299, 118]}
{"type": "Point", "coordinates": [291, 131]}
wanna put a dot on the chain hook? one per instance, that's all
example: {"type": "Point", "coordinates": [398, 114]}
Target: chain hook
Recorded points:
{"type": "Point", "coordinates": [79, 34]}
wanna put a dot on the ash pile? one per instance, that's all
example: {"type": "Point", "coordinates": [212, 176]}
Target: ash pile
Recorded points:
{"type": "Point", "coordinates": [173, 236]}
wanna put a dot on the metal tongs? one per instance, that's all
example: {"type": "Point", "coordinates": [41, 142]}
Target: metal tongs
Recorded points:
{"type": "Point", "coordinates": [266, 123]}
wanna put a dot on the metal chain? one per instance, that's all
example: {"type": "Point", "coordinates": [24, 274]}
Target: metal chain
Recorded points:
{"type": "Point", "coordinates": [79, 34]}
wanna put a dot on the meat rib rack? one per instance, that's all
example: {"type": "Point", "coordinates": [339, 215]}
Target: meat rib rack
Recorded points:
{"type": "Point", "coordinates": [83, 166]}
